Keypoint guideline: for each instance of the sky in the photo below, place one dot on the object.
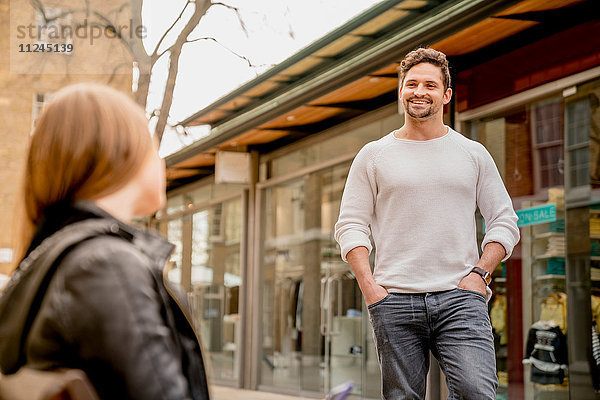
(275, 30)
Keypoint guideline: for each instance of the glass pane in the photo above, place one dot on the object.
(342, 300)
(174, 236)
(548, 122)
(336, 146)
(492, 134)
(578, 121)
(583, 236)
(312, 307)
(216, 280)
(508, 139)
(530, 287)
(283, 286)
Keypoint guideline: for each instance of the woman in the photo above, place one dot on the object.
(89, 292)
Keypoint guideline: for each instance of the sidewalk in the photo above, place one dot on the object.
(227, 393)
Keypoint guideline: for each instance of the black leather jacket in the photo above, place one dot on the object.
(92, 296)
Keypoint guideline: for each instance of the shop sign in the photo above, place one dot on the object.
(537, 215)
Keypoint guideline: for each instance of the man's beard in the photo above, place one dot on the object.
(424, 113)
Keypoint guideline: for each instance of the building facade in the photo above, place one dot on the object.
(277, 308)
(29, 76)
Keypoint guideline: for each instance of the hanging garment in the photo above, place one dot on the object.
(596, 355)
(554, 308)
(498, 318)
(546, 351)
(595, 307)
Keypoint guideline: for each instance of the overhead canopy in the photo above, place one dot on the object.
(353, 70)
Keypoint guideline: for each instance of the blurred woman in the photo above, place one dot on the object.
(90, 292)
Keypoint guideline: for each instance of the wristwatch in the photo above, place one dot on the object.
(487, 278)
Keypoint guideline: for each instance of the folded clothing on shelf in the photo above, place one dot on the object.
(595, 248)
(556, 266)
(556, 247)
(558, 225)
(594, 226)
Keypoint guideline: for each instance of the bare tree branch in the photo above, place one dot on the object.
(162, 53)
(141, 57)
(144, 61)
(115, 70)
(250, 64)
(201, 6)
(154, 53)
(237, 13)
(39, 6)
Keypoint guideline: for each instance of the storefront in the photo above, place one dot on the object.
(545, 144)
(314, 327)
(277, 308)
(205, 223)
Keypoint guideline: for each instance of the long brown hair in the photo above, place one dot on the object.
(88, 142)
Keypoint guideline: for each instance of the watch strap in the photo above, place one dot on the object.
(486, 276)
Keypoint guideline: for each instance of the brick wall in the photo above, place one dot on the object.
(17, 93)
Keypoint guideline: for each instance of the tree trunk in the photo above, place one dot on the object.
(175, 53)
(141, 95)
(140, 55)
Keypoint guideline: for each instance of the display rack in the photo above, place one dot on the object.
(544, 250)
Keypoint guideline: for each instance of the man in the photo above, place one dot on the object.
(416, 190)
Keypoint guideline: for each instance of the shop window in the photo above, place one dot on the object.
(548, 136)
(174, 235)
(323, 151)
(215, 283)
(507, 138)
(578, 126)
(492, 135)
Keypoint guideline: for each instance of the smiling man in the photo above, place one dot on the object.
(416, 191)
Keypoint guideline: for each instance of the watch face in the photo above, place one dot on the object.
(488, 278)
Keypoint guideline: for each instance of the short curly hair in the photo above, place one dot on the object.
(425, 55)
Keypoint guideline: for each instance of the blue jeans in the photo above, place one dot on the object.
(454, 325)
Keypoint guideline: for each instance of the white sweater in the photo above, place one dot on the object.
(419, 200)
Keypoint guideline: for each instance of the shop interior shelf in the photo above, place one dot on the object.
(546, 235)
(548, 256)
(549, 276)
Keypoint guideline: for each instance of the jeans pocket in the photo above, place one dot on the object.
(472, 292)
(378, 302)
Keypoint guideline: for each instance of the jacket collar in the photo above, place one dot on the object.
(150, 243)
(61, 215)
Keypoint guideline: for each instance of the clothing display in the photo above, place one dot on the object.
(440, 243)
(595, 224)
(558, 226)
(596, 356)
(554, 310)
(556, 246)
(546, 351)
(498, 318)
(556, 266)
